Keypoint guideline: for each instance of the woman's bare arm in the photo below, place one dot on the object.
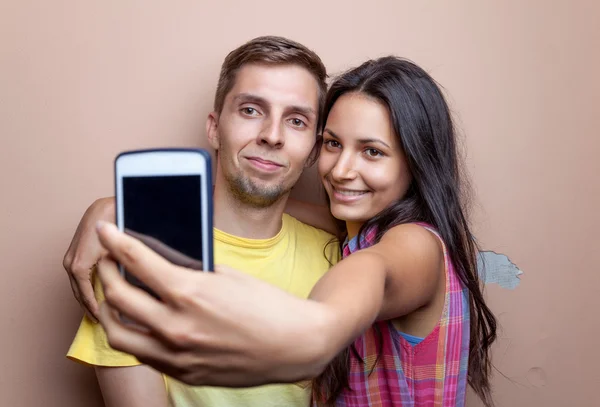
(391, 279)
(132, 386)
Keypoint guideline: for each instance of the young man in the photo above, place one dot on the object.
(264, 127)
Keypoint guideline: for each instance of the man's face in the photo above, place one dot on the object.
(266, 131)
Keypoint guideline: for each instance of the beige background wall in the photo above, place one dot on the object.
(81, 81)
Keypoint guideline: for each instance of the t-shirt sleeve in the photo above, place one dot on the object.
(90, 345)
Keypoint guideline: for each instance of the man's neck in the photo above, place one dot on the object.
(239, 219)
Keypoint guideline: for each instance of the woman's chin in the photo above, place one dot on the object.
(347, 215)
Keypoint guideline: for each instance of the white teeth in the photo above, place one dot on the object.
(349, 193)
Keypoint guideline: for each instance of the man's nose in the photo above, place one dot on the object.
(272, 134)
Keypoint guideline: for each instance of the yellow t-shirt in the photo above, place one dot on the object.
(293, 260)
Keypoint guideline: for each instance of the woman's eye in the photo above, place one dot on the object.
(332, 143)
(373, 152)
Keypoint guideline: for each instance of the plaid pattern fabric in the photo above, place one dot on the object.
(431, 373)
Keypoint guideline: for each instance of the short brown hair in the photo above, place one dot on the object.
(270, 50)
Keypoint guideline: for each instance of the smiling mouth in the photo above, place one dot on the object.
(348, 192)
(263, 161)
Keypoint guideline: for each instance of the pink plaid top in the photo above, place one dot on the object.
(431, 373)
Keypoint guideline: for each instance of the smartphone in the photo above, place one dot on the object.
(164, 198)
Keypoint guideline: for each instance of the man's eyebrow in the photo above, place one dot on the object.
(259, 100)
(303, 110)
(250, 98)
(362, 140)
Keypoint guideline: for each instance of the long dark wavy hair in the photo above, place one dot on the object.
(438, 195)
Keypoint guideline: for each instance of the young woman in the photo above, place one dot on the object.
(390, 166)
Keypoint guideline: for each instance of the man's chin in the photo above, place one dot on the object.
(260, 196)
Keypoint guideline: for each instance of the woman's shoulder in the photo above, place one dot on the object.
(414, 234)
(418, 241)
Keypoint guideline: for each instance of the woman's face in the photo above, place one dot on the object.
(362, 165)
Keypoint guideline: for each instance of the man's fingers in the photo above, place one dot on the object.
(74, 288)
(67, 260)
(120, 336)
(87, 298)
(139, 260)
(146, 348)
(131, 301)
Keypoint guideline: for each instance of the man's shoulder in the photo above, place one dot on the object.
(310, 239)
(304, 230)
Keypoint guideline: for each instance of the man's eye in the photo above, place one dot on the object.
(297, 123)
(250, 111)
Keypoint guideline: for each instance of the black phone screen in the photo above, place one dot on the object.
(165, 210)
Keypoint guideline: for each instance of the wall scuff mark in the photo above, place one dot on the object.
(497, 268)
